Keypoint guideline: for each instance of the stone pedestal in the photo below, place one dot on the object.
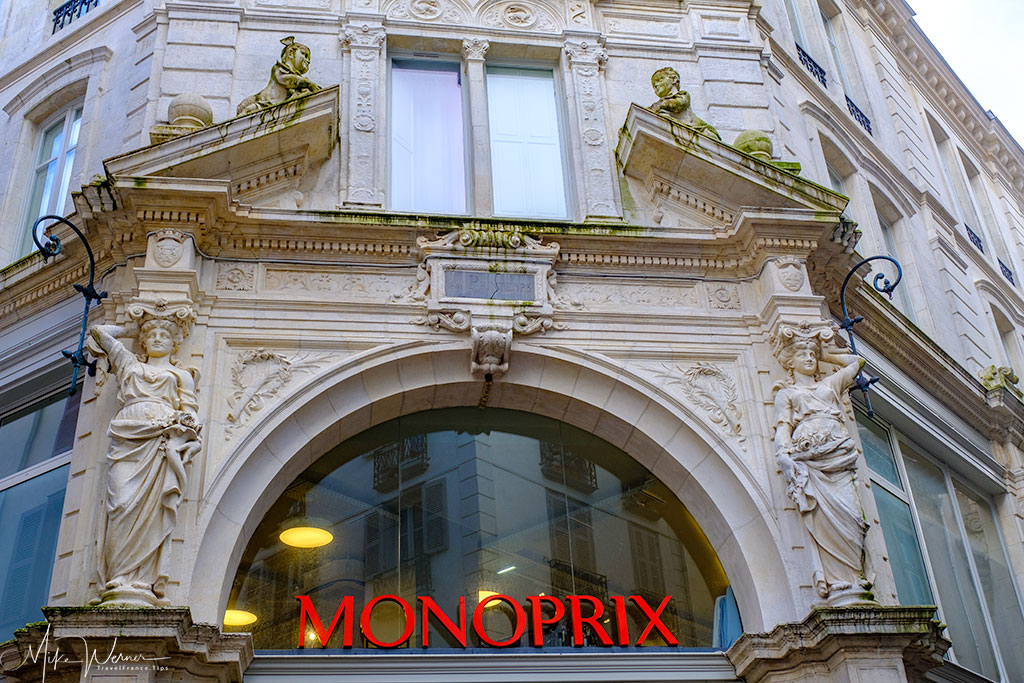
(844, 645)
(120, 645)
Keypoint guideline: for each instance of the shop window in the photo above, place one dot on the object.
(428, 161)
(945, 549)
(486, 521)
(54, 160)
(33, 477)
(527, 168)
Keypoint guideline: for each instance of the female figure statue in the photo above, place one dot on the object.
(818, 456)
(153, 437)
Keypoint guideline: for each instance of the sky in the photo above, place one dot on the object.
(980, 40)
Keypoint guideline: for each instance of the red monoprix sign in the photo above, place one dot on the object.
(536, 620)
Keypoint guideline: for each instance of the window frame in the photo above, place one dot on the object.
(562, 122)
(896, 437)
(25, 244)
(51, 463)
(467, 124)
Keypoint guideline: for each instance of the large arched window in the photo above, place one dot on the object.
(466, 504)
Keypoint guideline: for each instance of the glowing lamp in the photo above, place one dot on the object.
(238, 617)
(306, 537)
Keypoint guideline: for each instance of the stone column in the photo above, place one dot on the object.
(473, 52)
(597, 182)
(363, 35)
(154, 645)
(846, 645)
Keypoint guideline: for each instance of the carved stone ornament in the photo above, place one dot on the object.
(675, 103)
(153, 438)
(994, 378)
(257, 376)
(491, 348)
(502, 278)
(708, 387)
(475, 49)
(520, 15)
(817, 454)
(791, 272)
(236, 276)
(287, 79)
(443, 11)
(169, 247)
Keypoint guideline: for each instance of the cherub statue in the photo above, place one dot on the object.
(286, 79)
(818, 456)
(675, 103)
(152, 438)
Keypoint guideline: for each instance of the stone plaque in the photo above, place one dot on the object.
(485, 284)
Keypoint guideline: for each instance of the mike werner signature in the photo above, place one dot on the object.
(93, 657)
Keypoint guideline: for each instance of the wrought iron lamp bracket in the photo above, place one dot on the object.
(50, 249)
(881, 284)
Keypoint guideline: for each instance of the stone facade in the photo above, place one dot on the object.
(650, 315)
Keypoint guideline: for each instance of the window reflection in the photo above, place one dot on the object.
(471, 503)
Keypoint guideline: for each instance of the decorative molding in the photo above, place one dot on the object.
(587, 296)
(437, 11)
(723, 297)
(519, 15)
(257, 376)
(453, 321)
(239, 277)
(342, 285)
(709, 387)
(475, 49)
(364, 38)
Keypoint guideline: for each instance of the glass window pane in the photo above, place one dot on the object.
(65, 178)
(526, 153)
(428, 168)
(30, 517)
(76, 125)
(904, 552)
(877, 449)
(52, 141)
(961, 606)
(465, 503)
(38, 432)
(996, 580)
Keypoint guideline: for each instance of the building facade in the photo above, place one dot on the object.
(499, 340)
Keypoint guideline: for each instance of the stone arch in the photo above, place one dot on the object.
(405, 378)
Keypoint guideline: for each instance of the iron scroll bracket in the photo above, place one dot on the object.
(50, 249)
(883, 285)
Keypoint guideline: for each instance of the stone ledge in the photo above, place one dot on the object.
(153, 644)
(908, 640)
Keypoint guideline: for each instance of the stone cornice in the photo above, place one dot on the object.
(988, 138)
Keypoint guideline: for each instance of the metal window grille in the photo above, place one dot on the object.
(975, 240)
(71, 10)
(858, 115)
(812, 66)
(1007, 273)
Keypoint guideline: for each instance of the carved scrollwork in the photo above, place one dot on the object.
(453, 321)
(711, 389)
(257, 376)
(485, 238)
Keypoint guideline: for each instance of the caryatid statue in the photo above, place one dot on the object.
(675, 103)
(287, 79)
(153, 437)
(816, 451)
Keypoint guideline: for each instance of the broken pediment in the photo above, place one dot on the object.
(271, 157)
(697, 185)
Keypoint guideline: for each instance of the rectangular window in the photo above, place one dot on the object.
(962, 566)
(526, 150)
(30, 517)
(648, 568)
(833, 46)
(428, 160)
(54, 160)
(794, 21)
(37, 433)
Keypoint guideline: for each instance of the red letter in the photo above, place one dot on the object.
(538, 618)
(478, 621)
(345, 608)
(410, 620)
(430, 607)
(576, 614)
(655, 619)
(621, 627)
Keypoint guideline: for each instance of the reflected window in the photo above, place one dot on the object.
(481, 502)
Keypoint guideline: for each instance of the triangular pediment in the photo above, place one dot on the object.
(261, 154)
(706, 184)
